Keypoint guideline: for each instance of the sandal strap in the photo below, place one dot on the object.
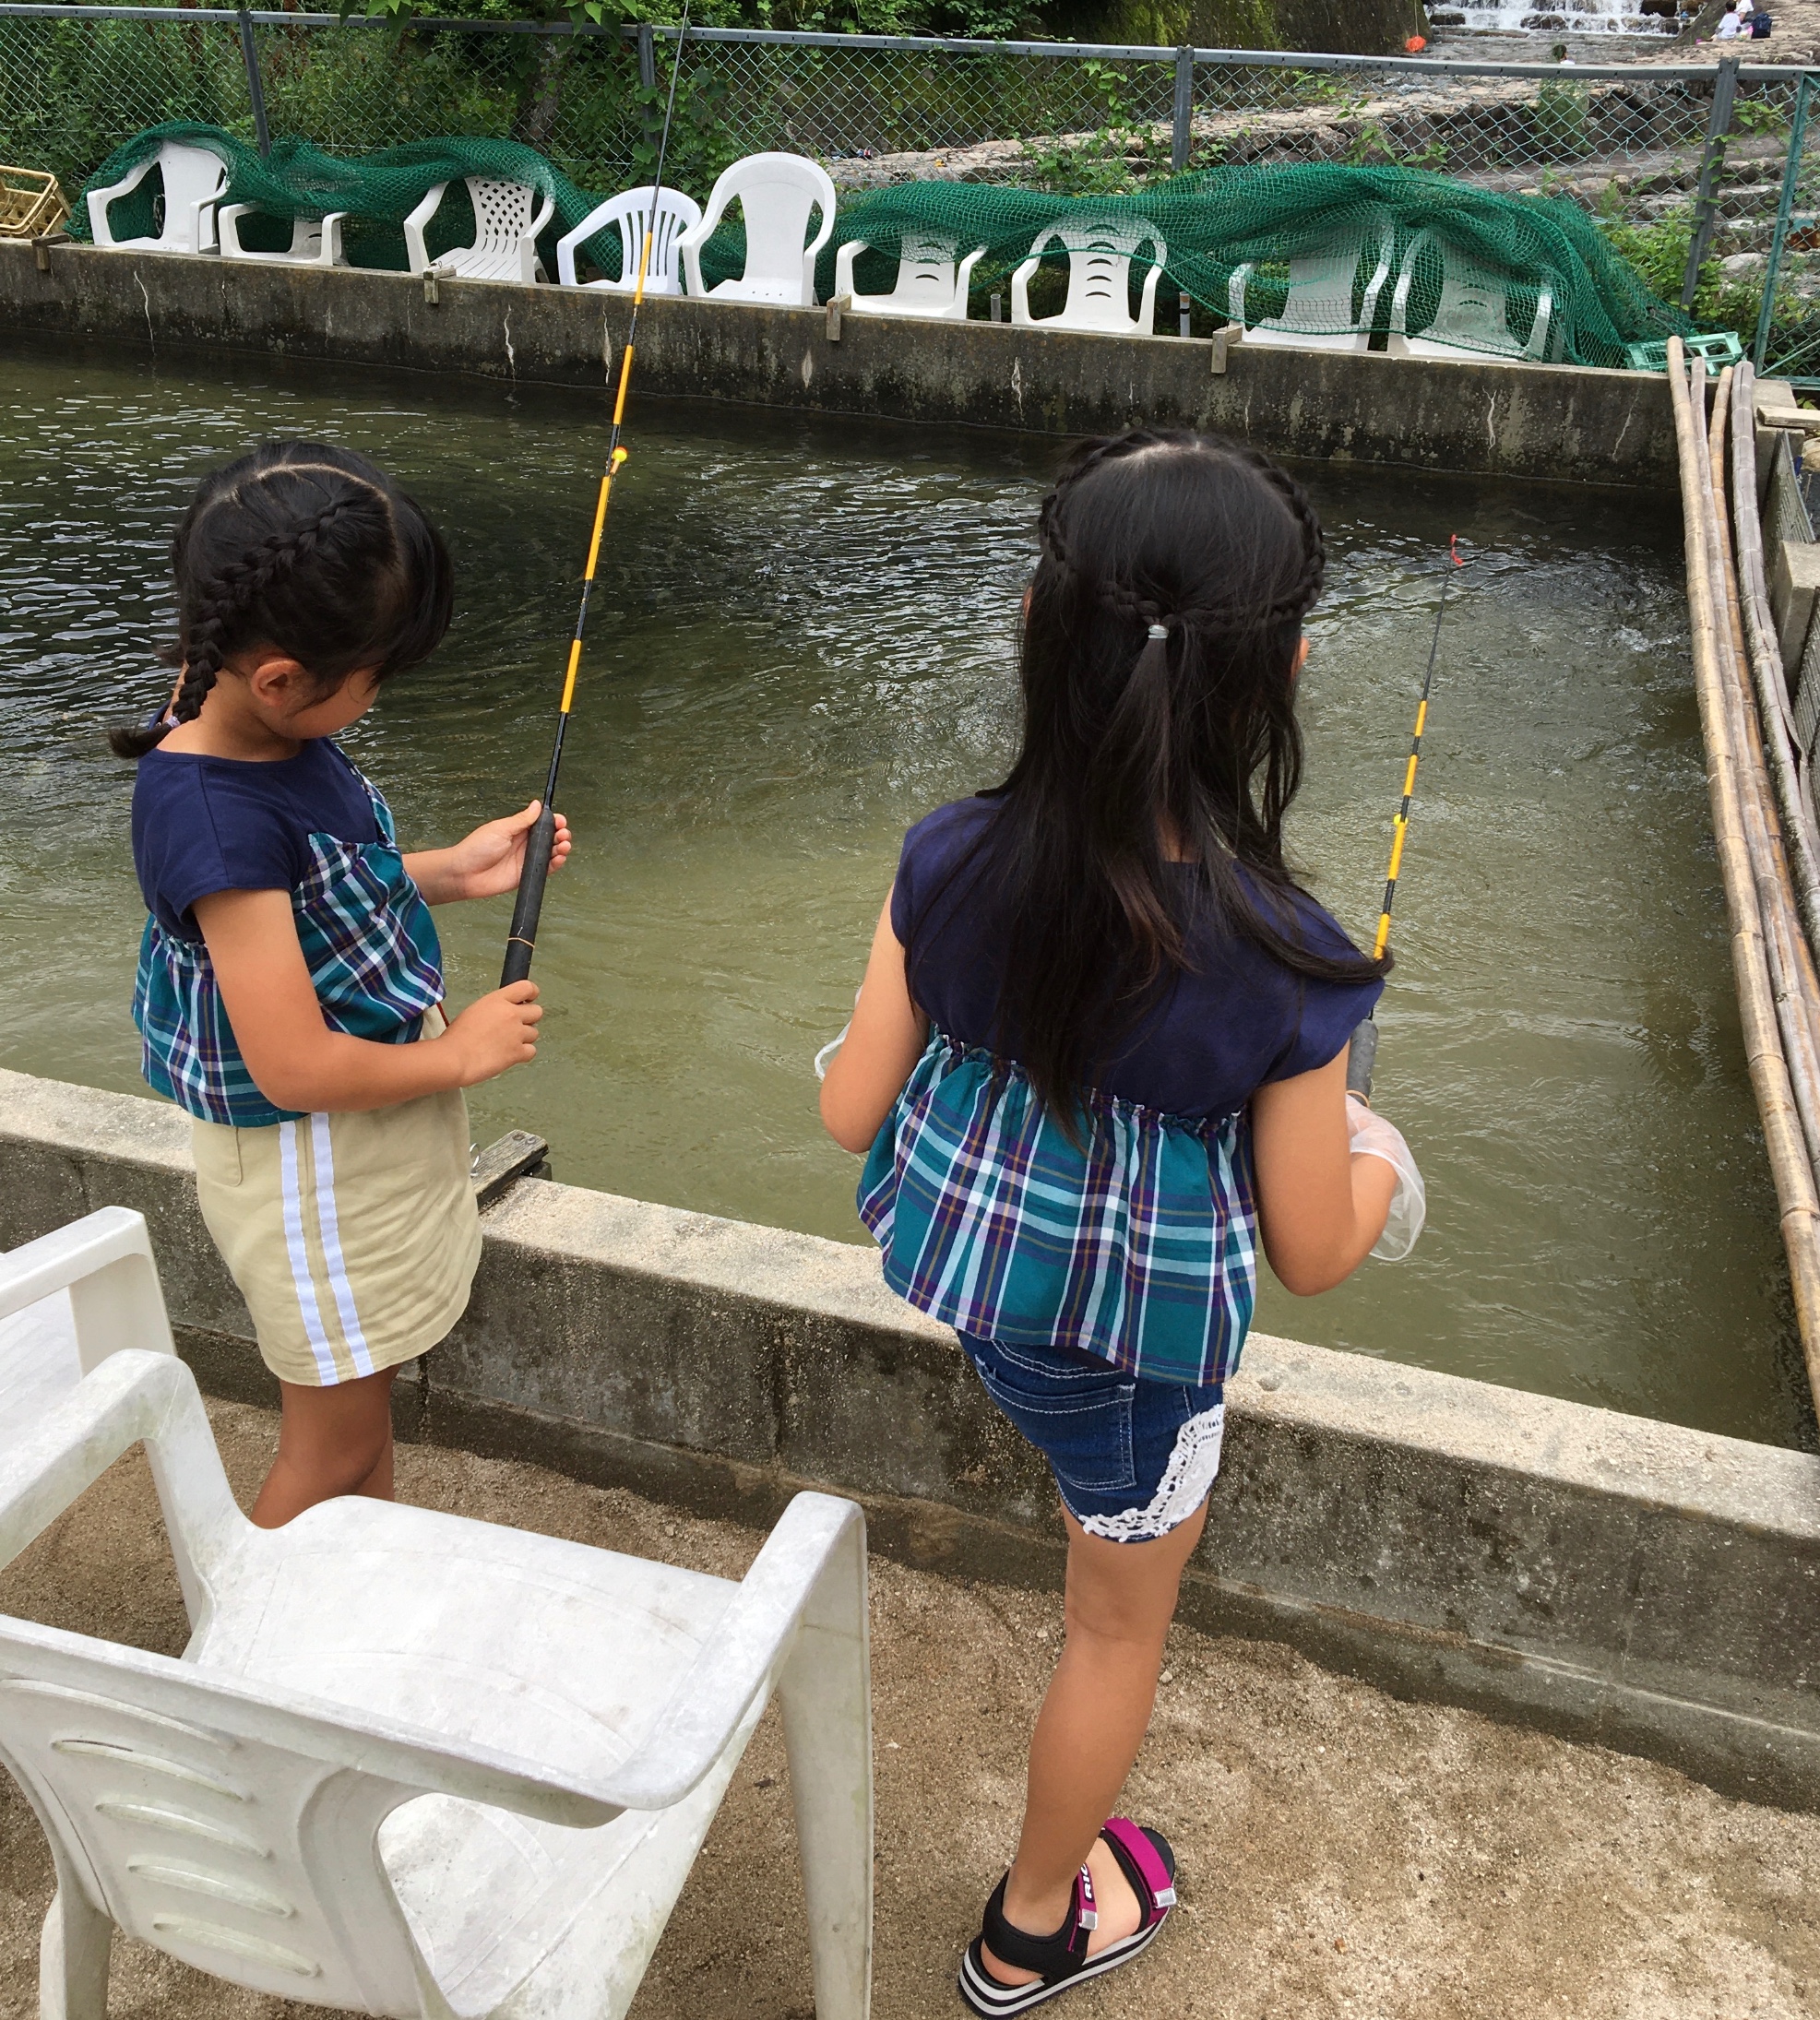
(1147, 1861)
(1057, 1957)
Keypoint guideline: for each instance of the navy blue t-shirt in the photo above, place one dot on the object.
(202, 825)
(1232, 1022)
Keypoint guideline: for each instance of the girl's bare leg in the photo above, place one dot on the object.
(333, 1441)
(1121, 1599)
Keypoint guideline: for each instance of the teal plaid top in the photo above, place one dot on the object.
(374, 958)
(1141, 1250)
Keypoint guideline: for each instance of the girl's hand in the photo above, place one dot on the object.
(497, 1032)
(487, 862)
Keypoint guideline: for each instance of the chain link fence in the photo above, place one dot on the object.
(1682, 166)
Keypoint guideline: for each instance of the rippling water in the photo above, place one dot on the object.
(802, 641)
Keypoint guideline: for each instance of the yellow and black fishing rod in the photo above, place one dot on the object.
(1362, 1055)
(521, 941)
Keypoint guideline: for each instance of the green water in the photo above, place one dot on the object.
(802, 641)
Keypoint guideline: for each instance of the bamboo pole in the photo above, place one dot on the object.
(1764, 658)
(1797, 1200)
(1791, 962)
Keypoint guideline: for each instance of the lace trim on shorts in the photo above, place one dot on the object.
(1187, 1482)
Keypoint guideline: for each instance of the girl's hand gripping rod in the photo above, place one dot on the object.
(522, 939)
(1361, 1053)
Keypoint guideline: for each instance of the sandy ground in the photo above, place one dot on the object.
(1342, 1854)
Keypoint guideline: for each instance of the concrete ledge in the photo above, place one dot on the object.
(1555, 421)
(1618, 1580)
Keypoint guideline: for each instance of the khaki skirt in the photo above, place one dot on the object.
(354, 1238)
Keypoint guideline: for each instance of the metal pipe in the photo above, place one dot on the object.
(1784, 210)
(1712, 166)
(1182, 133)
(255, 91)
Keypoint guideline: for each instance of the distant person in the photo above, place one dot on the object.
(1100, 1051)
(1728, 29)
(290, 989)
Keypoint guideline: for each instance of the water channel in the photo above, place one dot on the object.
(803, 641)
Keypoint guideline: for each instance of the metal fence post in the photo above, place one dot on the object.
(1182, 136)
(256, 90)
(1712, 166)
(647, 76)
(1784, 210)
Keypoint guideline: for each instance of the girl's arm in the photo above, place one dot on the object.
(1319, 1208)
(486, 863)
(298, 1063)
(885, 1041)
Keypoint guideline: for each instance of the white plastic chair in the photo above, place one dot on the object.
(1471, 314)
(194, 180)
(929, 283)
(632, 213)
(411, 1764)
(1100, 256)
(1318, 312)
(776, 193)
(315, 242)
(505, 233)
(48, 1340)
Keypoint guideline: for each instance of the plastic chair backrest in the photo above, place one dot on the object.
(632, 213)
(778, 193)
(192, 175)
(1100, 256)
(925, 269)
(1324, 280)
(502, 213)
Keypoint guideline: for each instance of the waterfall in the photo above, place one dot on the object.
(1576, 17)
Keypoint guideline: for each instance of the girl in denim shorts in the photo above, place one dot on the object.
(1100, 1049)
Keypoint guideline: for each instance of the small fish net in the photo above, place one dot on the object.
(1254, 223)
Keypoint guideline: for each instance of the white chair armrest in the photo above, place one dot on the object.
(1147, 305)
(963, 273)
(1236, 286)
(134, 1397)
(1537, 345)
(104, 1260)
(202, 224)
(416, 252)
(1373, 287)
(1020, 289)
(688, 249)
(785, 1589)
(536, 228)
(227, 229)
(566, 246)
(812, 252)
(99, 199)
(843, 265)
(331, 237)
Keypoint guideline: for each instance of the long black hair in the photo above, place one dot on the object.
(1157, 670)
(308, 549)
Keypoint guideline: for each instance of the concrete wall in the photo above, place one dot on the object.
(1628, 1581)
(1553, 422)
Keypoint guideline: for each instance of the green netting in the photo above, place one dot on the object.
(1477, 270)
(1449, 237)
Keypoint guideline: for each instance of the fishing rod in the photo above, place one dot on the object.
(1361, 1054)
(521, 941)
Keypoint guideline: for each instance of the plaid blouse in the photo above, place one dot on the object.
(374, 958)
(1142, 1250)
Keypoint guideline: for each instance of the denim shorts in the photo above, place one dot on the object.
(1132, 1459)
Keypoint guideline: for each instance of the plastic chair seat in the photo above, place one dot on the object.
(505, 233)
(778, 194)
(631, 214)
(1318, 312)
(315, 242)
(194, 180)
(1100, 256)
(929, 283)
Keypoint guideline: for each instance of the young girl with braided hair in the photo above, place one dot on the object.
(289, 987)
(1100, 1049)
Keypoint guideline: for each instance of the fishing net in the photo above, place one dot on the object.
(1476, 270)
(1319, 248)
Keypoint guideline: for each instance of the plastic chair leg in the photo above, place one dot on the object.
(73, 1957)
(824, 1692)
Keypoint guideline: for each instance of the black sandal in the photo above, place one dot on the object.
(1061, 1961)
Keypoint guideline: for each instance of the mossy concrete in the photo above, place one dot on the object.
(1608, 1577)
(1557, 422)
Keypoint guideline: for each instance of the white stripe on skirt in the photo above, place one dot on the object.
(303, 1283)
(332, 1248)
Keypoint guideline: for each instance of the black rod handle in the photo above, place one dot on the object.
(1360, 1057)
(539, 845)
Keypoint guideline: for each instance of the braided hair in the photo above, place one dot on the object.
(311, 551)
(1158, 672)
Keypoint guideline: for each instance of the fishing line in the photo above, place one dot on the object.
(521, 940)
(1362, 1055)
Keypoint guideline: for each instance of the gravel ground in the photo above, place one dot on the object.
(1342, 1853)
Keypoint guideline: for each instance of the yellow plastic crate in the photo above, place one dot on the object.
(32, 203)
